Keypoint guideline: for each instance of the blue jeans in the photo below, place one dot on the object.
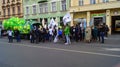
(32, 39)
(50, 38)
(68, 39)
(0, 34)
(102, 37)
(18, 38)
(10, 39)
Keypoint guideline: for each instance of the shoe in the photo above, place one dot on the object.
(105, 38)
(66, 43)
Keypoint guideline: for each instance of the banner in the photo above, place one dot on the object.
(91, 22)
(85, 23)
(52, 23)
(67, 18)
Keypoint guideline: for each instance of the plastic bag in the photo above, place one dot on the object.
(56, 39)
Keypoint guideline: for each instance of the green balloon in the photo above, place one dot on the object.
(17, 23)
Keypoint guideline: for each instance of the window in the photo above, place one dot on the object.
(4, 12)
(8, 11)
(63, 2)
(34, 9)
(19, 9)
(27, 10)
(46, 7)
(3, 1)
(81, 2)
(104, 1)
(13, 10)
(41, 8)
(53, 6)
(92, 1)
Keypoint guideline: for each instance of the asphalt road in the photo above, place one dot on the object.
(48, 54)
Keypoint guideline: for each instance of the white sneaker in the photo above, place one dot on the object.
(66, 43)
(105, 38)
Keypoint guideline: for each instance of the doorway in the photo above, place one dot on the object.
(115, 24)
(98, 20)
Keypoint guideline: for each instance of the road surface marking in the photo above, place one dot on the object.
(66, 50)
(112, 49)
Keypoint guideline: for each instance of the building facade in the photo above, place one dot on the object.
(0, 14)
(10, 8)
(96, 12)
(39, 10)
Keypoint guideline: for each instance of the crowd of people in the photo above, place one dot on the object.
(14, 34)
(64, 33)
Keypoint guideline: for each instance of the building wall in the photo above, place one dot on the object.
(87, 2)
(0, 10)
(47, 15)
(99, 9)
(17, 11)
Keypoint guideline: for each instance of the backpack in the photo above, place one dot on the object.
(60, 32)
(107, 29)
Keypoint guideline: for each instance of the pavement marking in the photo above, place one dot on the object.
(114, 38)
(112, 49)
(66, 50)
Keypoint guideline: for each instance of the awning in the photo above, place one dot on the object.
(41, 1)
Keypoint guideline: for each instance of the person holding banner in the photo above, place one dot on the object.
(67, 34)
(66, 20)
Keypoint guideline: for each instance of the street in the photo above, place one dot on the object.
(48, 54)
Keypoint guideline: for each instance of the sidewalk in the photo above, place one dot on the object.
(111, 40)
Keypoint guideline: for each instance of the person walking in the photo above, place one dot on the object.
(60, 32)
(44, 33)
(50, 34)
(37, 32)
(102, 33)
(67, 34)
(98, 35)
(94, 33)
(17, 35)
(32, 36)
(10, 35)
(106, 30)
(76, 33)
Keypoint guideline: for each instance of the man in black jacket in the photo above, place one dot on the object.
(102, 33)
(17, 35)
